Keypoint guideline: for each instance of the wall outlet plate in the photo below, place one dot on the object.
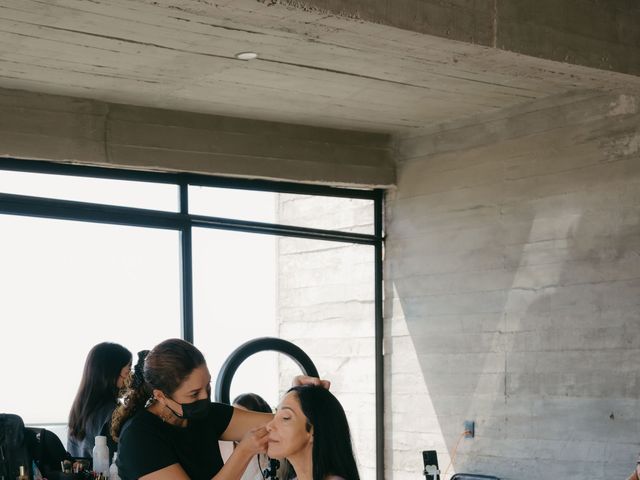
(469, 429)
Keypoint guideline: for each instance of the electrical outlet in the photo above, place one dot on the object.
(469, 429)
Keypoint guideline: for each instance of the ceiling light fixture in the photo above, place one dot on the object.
(246, 55)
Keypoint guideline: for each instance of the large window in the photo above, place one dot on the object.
(68, 285)
(90, 255)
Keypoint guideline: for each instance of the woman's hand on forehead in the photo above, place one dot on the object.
(299, 380)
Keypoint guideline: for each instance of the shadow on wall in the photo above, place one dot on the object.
(513, 283)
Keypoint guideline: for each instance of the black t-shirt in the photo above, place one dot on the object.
(148, 444)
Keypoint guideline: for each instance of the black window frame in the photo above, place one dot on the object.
(183, 222)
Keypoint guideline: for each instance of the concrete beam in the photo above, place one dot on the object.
(603, 35)
(75, 130)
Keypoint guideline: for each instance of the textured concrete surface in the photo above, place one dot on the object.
(596, 34)
(512, 287)
(50, 127)
(314, 68)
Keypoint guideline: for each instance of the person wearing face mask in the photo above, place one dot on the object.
(311, 431)
(106, 368)
(168, 428)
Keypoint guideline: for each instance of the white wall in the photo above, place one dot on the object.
(512, 288)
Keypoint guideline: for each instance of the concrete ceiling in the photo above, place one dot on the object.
(315, 67)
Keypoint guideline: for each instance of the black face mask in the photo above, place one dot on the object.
(195, 410)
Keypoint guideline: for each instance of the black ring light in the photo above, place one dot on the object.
(262, 344)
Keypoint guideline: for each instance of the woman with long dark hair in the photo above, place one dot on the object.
(168, 428)
(311, 430)
(106, 368)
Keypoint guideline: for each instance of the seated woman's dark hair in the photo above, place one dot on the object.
(253, 402)
(163, 368)
(98, 385)
(332, 451)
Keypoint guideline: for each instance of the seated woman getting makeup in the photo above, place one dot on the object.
(311, 431)
(257, 466)
(168, 428)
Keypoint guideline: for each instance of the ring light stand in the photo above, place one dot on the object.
(244, 351)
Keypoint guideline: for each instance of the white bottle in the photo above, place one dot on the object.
(113, 469)
(101, 456)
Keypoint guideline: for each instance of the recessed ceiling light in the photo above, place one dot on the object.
(246, 55)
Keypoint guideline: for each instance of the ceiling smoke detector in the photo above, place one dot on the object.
(246, 55)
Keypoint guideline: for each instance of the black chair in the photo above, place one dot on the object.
(14, 447)
(47, 450)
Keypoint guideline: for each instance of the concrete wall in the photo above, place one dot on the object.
(512, 292)
(77, 130)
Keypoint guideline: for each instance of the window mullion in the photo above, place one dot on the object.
(186, 259)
